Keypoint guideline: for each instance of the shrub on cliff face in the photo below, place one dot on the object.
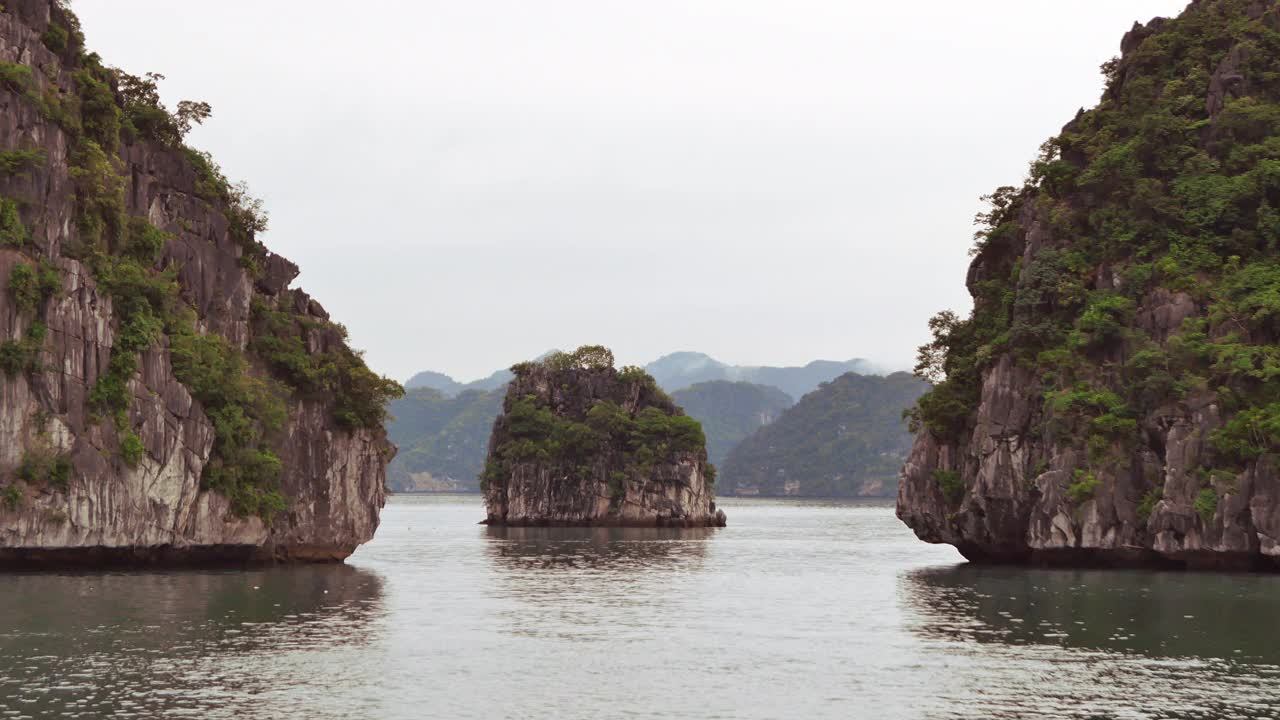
(281, 338)
(1148, 504)
(245, 411)
(12, 232)
(132, 449)
(15, 77)
(17, 162)
(144, 241)
(1155, 188)
(42, 466)
(949, 362)
(1206, 504)
(29, 286)
(22, 287)
(951, 484)
(19, 356)
(146, 116)
(11, 497)
(99, 195)
(56, 38)
(99, 113)
(14, 358)
(246, 214)
(1085, 485)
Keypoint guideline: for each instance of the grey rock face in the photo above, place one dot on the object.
(1010, 476)
(156, 511)
(1015, 506)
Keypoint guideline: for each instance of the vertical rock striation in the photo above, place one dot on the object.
(155, 475)
(1113, 399)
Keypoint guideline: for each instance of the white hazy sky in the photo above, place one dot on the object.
(469, 183)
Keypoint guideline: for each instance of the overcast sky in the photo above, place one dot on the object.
(468, 183)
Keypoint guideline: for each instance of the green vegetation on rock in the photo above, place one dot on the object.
(1207, 504)
(584, 435)
(11, 497)
(247, 396)
(951, 483)
(17, 162)
(15, 77)
(56, 37)
(13, 233)
(1085, 485)
(1148, 504)
(29, 286)
(1158, 203)
(282, 339)
(19, 356)
(42, 466)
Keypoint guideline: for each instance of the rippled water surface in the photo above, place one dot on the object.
(797, 610)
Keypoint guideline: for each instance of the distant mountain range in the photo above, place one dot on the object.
(442, 438)
(731, 411)
(682, 369)
(845, 439)
(442, 426)
(447, 385)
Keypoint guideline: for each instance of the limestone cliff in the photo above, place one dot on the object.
(165, 397)
(580, 443)
(1114, 396)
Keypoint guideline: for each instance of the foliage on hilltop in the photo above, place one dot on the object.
(846, 438)
(576, 413)
(1170, 186)
(246, 394)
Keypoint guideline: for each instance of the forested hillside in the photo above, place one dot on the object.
(847, 438)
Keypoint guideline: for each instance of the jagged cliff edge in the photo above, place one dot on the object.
(1165, 479)
(76, 487)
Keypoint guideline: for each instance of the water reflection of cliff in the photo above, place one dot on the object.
(159, 643)
(558, 581)
(1157, 614)
(607, 548)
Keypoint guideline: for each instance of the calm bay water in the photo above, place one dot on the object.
(797, 610)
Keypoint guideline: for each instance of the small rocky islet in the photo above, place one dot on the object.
(580, 443)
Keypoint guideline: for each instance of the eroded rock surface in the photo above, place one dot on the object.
(1108, 442)
(157, 509)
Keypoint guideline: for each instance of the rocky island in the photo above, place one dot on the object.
(1114, 398)
(580, 443)
(165, 397)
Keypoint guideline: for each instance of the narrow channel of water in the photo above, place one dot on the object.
(797, 610)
